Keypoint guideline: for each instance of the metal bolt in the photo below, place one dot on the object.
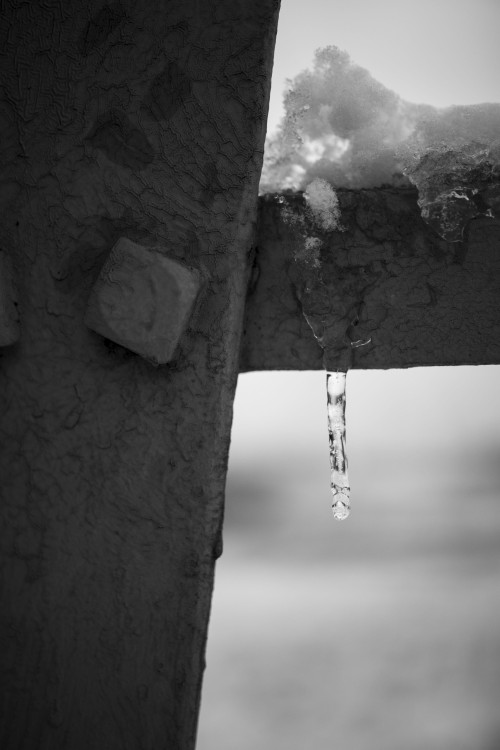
(142, 300)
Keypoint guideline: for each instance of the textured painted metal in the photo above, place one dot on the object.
(387, 277)
(9, 318)
(135, 118)
(142, 300)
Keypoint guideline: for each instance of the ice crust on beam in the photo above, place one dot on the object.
(344, 127)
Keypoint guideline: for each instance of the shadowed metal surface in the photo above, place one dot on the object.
(387, 276)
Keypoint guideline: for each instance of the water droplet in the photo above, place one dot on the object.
(341, 509)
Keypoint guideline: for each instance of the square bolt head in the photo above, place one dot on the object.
(142, 300)
(9, 318)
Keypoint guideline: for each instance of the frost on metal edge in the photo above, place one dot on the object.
(322, 214)
(323, 204)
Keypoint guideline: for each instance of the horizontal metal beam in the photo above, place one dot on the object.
(384, 277)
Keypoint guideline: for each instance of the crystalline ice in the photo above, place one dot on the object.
(335, 388)
(456, 182)
(343, 127)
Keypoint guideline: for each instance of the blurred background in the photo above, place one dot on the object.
(381, 632)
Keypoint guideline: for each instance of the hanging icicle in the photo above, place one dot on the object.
(332, 303)
(335, 388)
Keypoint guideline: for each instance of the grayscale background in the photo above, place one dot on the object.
(381, 632)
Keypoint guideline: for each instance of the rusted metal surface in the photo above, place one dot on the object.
(387, 277)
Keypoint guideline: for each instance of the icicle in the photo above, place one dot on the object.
(335, 388)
